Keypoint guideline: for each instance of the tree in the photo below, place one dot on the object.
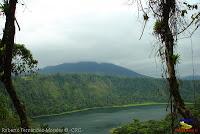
(9, 54)
(168, 25)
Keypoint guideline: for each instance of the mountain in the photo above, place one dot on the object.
(92, 68)
(191, 77)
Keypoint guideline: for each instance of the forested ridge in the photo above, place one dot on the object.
(91, 67)
(50, 94)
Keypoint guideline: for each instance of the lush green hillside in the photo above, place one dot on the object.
(90, 67)
(48, 94)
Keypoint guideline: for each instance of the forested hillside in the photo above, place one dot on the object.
(48, 94)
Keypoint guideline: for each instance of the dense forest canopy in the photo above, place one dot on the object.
(66, 92)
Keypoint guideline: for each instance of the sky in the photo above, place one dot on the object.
(95, 30)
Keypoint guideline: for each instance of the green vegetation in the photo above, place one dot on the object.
(8, 119)
(148, 127)
(55, 94)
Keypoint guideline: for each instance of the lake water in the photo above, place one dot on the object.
(100, 121)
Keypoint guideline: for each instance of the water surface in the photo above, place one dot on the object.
(100, 121)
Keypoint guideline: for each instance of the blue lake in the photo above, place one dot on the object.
(100, 121)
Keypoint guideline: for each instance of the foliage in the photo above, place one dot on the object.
(7, 118)
(147, 127)
(61, 93)
(158, 27)
(176, 58)
(51, 94)
(22, 62)
(196, 108)
(3, 7)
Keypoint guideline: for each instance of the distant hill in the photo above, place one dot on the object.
(92, 68)
(190, 77)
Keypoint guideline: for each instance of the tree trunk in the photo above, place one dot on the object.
(16, 102)
(168, 40)
(8, 42)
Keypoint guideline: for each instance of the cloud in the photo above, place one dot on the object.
(93, 30)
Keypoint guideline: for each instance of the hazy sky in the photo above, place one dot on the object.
(95, 30)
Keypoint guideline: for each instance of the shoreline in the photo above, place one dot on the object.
(93, 108)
